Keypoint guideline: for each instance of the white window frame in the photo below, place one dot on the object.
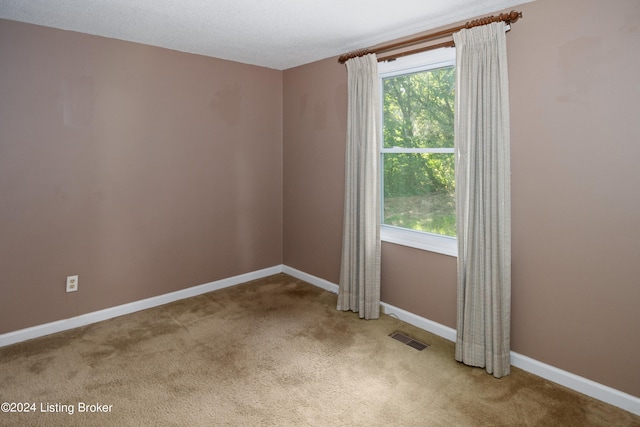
(404, 236)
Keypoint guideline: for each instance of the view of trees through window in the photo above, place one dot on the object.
(417, 153)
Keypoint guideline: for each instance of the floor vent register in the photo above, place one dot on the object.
(408, 341)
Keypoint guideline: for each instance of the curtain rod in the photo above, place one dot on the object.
(508, 18)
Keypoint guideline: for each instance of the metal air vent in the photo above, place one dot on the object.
(408, 341)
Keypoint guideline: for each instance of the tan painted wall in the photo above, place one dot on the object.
(142, 170)
(575, 109)
(576, 204)
(315, 123)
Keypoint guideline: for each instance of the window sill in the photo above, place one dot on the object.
(416, 239)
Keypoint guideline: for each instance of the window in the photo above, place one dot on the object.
(417, 153)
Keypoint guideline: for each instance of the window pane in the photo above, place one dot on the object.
(419, 192)
(418, 109)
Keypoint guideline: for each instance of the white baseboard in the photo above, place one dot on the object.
(109, 313)
(422, 323)
(567, 379)
(405, 316)
(314, 280)
(580, 384)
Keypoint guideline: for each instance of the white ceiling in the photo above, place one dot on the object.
(277, 34)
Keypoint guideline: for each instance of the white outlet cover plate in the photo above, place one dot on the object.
(72, 283)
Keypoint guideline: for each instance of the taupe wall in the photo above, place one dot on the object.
(315, 123)
(142, 170)
(575, 102)
(575, 109)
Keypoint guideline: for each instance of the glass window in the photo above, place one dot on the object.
(417, 153)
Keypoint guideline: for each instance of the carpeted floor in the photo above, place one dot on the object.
(272, 352)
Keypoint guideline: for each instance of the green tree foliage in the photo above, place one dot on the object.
(418, 113)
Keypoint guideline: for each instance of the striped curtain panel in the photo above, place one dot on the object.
(359, 288)
(483, 199)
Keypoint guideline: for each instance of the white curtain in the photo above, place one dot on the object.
(483, 199)
(359, 288)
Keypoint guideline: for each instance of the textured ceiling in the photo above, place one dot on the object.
(277, 34)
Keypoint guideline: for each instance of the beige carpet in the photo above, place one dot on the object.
(272, 352)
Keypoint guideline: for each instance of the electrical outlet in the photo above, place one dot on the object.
(72, 283)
